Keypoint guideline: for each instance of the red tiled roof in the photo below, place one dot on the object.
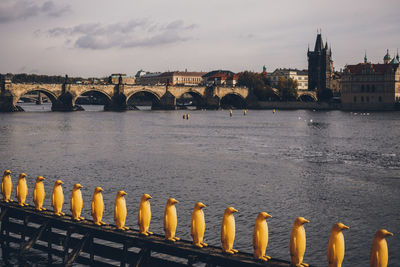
(378, 68)
(183, 73)
(221, 75)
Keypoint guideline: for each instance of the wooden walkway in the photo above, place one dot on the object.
(23, 228)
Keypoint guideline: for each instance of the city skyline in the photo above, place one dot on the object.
(94, 38)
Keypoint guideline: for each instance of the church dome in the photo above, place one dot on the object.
(394, 61)
(387, 56)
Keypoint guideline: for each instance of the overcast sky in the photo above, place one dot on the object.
(99, 37)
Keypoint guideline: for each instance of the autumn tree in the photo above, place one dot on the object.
(256, 83)
(287, 89)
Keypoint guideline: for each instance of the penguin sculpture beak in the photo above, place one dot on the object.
(149, 197)
(202, 205)
(268, 216)
(79, 186)
(175, 201)
(345, 227)
(235, 210)
(306, 221)
(389, 233)
(101, 189)
(7, 172)
(123, 193)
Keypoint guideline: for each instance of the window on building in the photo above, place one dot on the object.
(362, 88)
(362, 99)
(373, 88)
(367, 99)
(380, 99)
(355, 99)
(367, 88)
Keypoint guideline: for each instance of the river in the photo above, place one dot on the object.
(325, 166)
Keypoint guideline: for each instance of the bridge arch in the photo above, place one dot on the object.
(233, 100)
(49, 94)
(98, 91)
(144, 96)
(195, 99)
(307, 97)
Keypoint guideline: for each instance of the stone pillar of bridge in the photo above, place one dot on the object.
(212, 101)
(167, 102)
(118, 100)
(8, 102)
(65, 101)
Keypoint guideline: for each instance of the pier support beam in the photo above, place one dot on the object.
(25, 246)
(69, 260)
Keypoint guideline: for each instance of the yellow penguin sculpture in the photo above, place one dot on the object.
(120, 211)
(298, 242)
(57, 198)
(336, 245)
(260, 236)
(198, 225)
(6, 186)
(228, 231)
(170, 220)
(39, 194)
(97, 208)
(144, 216)
(379, 252)
(76, 203)
(22, 190)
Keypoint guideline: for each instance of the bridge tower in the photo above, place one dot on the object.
(320, 67)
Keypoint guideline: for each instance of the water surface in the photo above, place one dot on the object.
(325, 166)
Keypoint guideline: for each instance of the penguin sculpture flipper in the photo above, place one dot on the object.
(192, 229)
(92, 209)
(139, 217)
(165, 223)
(256, 239)
(53, 204)
(331, 254)
(293, 246)
(378, 263)
(115, 212)
(72, 204)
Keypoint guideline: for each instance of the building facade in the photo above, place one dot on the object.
(171, 78)
(368, 86)
(301, 76)
(320, 66)
(115, 78)
(220, 78)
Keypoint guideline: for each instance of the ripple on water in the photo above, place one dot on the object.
(340, 167)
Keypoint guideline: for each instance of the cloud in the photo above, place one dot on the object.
(14, 10)
(134, 33)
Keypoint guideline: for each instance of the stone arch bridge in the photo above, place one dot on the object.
(64, 96)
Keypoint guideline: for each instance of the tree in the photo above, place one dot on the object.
(256, 83)
(287, 89)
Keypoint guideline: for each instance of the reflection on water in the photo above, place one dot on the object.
(324, 166)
